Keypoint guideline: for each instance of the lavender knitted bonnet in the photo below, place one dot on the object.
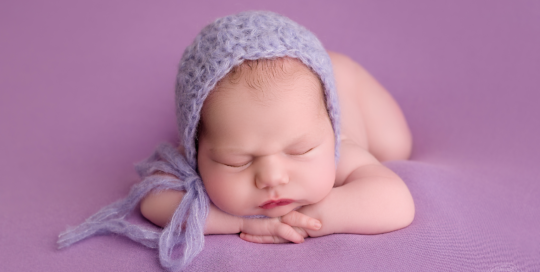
(219, 47)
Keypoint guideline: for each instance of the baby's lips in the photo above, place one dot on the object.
(276, 203)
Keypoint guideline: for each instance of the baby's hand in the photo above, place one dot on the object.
(288, 228)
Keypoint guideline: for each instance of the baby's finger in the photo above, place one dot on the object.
(301, 220)
(301, 231)
(262, 239)
(288, 233)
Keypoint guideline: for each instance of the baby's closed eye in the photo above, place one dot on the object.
(301, 151)
(236, 165)
(298, 152)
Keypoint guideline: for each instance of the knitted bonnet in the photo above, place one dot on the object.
(227, 43)
(219, 47)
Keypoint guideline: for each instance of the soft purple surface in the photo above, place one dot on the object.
(86, 90)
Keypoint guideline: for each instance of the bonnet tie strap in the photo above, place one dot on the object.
(193, 208)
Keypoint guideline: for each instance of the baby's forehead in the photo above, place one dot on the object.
(258, 74)
(264, 82)
(267, 82)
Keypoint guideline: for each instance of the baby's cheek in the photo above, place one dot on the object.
(216, 188)
(323, 178)
(226, 192)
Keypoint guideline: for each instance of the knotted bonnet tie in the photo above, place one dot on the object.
(219, 47)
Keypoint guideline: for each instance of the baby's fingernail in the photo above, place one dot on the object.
(317, 225)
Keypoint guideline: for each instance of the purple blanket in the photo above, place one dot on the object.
(86, 91)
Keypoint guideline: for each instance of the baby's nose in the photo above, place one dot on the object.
(271, 172)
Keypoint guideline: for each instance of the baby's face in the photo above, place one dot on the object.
(266, 144)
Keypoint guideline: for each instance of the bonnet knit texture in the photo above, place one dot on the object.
(219, 47)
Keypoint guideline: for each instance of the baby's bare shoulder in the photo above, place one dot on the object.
(357, 162)
(351, 157)
(369, 114)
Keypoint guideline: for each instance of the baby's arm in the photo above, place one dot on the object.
(159, 207)
(370, 199)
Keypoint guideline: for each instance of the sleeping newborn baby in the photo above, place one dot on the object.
(279, 140)
(266, 147)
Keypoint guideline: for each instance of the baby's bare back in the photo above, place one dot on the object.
(371, 119)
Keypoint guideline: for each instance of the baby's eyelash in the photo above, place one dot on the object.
(304, 152)
(236, 166)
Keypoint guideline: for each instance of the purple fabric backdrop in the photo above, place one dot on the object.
(86, 90)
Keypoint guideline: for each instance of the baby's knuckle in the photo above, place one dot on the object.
(295, 216)
(292, 218)
(301, 231)
(288, 233)
(276, 240)
(270, 227)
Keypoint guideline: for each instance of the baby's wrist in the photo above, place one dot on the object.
(241, 221)
(219, 222)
